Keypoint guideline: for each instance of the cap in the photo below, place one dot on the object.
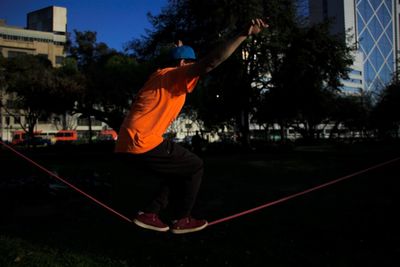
(183, 52)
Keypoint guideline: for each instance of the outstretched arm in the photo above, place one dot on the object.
(221, 53)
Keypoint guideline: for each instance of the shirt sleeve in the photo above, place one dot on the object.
(179, 82)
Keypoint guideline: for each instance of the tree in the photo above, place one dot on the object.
(287, 74)
(353, 112)
(305, 80)
(29, 79)
(115, 79)
(68, 88)
(228, 92)
(110, 79)
(386, 113)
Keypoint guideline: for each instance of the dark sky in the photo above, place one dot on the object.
(115, 21)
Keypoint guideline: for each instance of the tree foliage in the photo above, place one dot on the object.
(386, 114)
(110, 79)
(28, 80)
(287, 74)
(227, 94)
(353, 112)
(306, 79)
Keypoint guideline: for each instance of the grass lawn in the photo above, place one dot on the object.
(350, 223)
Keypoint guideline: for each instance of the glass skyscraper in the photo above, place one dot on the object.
(374, 27)
(375, 30)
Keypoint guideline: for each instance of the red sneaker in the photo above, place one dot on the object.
(150, 221)
(188, 225)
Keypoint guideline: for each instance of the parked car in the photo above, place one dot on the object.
(21, 136)
(108, 135)
(35, 141)
(66, 136)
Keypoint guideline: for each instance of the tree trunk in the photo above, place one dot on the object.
(244, 129)
(90, 129)
(282, 132)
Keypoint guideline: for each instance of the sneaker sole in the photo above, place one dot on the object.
(191, 230)
(150, 227)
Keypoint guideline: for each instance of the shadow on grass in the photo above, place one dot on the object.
(352, 223)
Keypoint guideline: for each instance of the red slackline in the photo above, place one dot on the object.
(215, 221)
(301, 193)
(67, 183)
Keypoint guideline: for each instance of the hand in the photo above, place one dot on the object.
(178, 43)
(256, 26)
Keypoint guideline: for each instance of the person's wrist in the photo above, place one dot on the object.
(245, 33)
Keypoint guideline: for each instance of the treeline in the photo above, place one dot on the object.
(290, 75)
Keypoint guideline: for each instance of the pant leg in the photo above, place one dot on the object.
(181, 172)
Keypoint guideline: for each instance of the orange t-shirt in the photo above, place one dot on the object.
(155, 106)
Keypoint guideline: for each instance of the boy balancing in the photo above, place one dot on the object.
(140, 139)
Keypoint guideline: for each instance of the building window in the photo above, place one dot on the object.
(44, 119)
(7, 120)
(59, 60)
(11, 104)
(355, 81)
(96, 122)
(84, 121)
(357, 72)
(44, 55)
(12, 54)
(29, 39)
(351, 90)
(17, 120)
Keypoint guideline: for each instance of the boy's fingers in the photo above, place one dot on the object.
(259, 23)
(262, 23)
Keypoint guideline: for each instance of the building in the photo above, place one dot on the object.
(45, 34)
(50, 19)
(373, 26)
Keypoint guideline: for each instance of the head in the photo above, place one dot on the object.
(183, 55)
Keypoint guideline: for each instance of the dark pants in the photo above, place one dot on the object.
(180, 172)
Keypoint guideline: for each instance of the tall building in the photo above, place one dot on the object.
(373, 26)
